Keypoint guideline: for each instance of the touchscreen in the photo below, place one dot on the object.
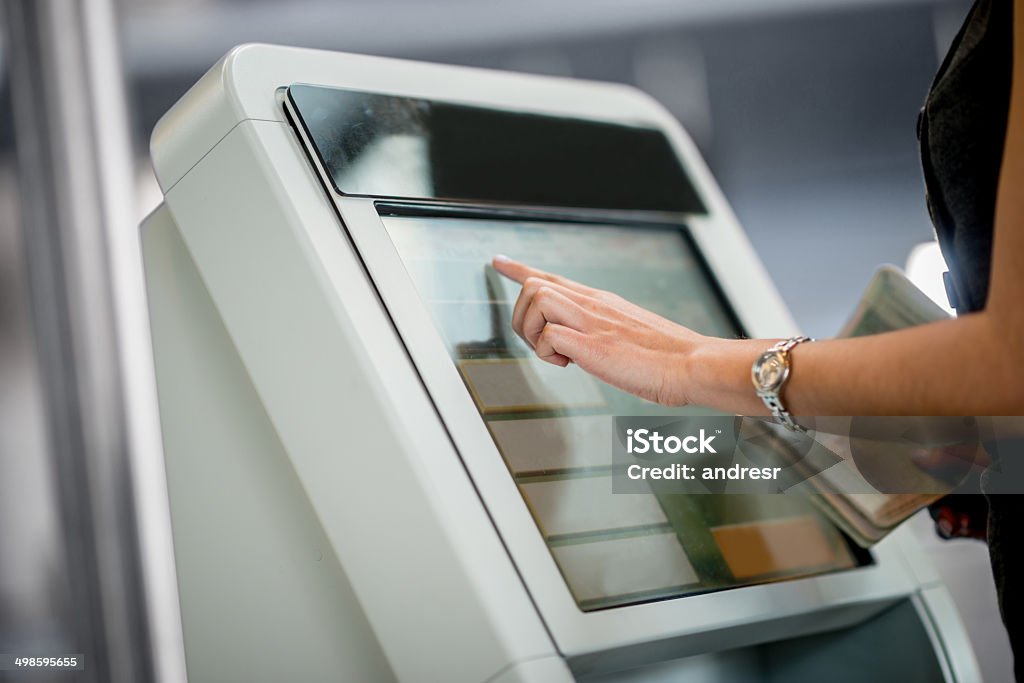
(553, 426)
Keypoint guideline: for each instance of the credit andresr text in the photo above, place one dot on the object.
(643, 441)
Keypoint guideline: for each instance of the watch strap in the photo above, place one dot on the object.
(773, 400)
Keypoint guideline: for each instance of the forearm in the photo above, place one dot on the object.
(968, 366)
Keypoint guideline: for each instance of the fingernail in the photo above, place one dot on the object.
(501, 258)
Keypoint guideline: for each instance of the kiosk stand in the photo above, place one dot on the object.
(372, 478)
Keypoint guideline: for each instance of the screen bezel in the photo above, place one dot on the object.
(846, 596)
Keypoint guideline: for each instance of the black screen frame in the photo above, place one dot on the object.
(486, 154)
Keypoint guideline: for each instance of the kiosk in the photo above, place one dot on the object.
(371, 477)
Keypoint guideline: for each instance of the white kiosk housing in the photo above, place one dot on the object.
(372, 480)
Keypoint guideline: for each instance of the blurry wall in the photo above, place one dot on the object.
(35, 600)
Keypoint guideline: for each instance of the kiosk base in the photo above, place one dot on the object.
(263, 597)
(891, 646)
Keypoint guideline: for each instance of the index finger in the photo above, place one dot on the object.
(520, 272)
(515, 270)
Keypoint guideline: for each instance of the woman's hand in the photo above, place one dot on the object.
(616, 341)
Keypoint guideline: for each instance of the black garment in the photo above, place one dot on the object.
(1004, 544)
(962, 131)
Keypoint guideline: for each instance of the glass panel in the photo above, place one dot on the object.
(552, 425)
(387, 146)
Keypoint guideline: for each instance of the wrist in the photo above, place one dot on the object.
(718, 374)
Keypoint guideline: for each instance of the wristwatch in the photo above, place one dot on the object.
(769, 373)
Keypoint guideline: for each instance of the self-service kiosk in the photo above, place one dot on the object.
(371, 476)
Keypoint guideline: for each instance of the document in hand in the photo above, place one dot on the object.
(890, 302)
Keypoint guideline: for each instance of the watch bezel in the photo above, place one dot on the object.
(764, 358)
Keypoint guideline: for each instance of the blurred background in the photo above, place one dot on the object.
(804, 109)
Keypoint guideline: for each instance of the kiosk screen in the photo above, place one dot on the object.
(552, 425)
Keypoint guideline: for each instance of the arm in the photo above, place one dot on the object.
(973, 365)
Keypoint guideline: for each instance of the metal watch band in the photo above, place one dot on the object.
(773, 401)
(787, 345)
(780, 413)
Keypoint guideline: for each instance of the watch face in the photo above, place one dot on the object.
(770, 371)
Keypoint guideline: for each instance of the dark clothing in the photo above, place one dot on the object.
(962, 131)
(1007, 554)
